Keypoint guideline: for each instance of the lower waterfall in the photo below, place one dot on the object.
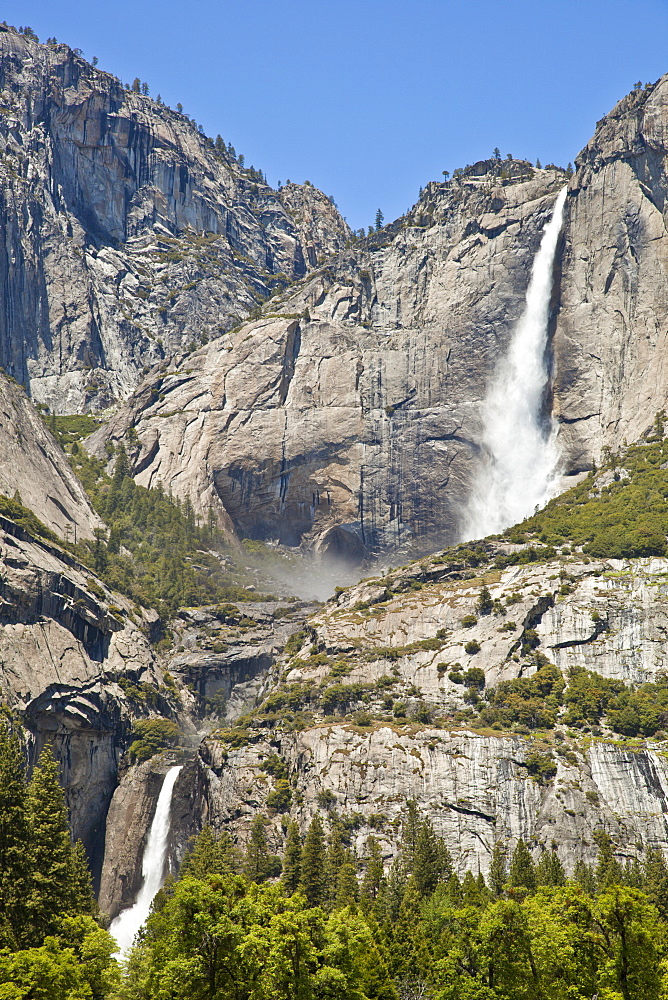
(520, 449)
(128, 922)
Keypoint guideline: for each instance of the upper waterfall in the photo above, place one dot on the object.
(519, 468)
(128, 922)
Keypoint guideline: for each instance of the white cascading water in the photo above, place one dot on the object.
(519, 472)
(128, 922)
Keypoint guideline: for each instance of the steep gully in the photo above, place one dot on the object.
(517, 474)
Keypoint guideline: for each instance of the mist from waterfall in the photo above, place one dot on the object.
(128, 922)
(519, 470)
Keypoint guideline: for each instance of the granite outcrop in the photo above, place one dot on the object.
(127, 234)
(34, 469)
(402, 640)
(346, 418)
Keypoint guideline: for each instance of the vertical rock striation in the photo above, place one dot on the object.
(611, 334)
(347, 418)
(126, 234)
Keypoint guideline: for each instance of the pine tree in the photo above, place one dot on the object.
(655, 873)
(472, 895)
(608, 869)
(549, 870)
(395, 887)
(633, 874)
(497, 870)
(481, 885)
(431, 860)
(210, 855)
(83, 898)
(380, 218)
(584, 877)
(336, 857)
(408, 954)
(49, 852)
(410, 832)
(13, 835)
(485, 603)
(522, 871)
(347, 886)
(313, 875)
(373, 876)
(292, 859)
(257, 860)
(454, 890)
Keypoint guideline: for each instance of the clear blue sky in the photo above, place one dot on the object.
(370, 100)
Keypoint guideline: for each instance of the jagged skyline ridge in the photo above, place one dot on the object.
(428, 111)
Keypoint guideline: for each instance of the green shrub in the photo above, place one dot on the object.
(472, 647)
(530, 701)
(326, 798)
(152, 736)
(540, 766)
(474, 677)
(94, 587)
(485, 602)
(290, 696)
(422, 714)
(280, 798)
(641, 712)
(295, 643)
(275, 766)
(588, 696)
(25, 518)
(340, 696)
(623, 519)
(363, 719)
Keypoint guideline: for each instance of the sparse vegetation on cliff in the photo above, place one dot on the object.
(619, 511)
(154, 549)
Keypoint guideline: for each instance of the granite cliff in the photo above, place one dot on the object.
(127, 234)
(354, 715)
(33, 464)
(346, 417)
(343, 416)
(364, 381)
(610, 334)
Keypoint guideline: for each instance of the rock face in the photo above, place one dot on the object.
(128, 822)
(225, 657)
(475, 785)
(347, 416)
(610, 341)
(343, 417)
(475, 789)
(225, 653)
(127, 235)
(70, 650)
(34, 465)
